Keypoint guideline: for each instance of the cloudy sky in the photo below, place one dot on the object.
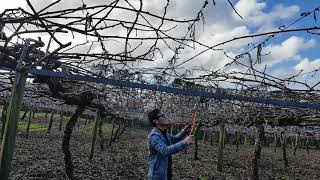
(286, 54)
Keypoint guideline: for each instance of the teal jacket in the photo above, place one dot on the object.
(159, 152)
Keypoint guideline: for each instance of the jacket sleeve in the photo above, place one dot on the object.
(178, 137)
(157, 143)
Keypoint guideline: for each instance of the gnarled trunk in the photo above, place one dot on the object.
(296, 144)
(284, 148)
(66, 142)
(257, 152)
(195, 155)
(3, 118)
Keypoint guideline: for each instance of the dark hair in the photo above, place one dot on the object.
(152, 115)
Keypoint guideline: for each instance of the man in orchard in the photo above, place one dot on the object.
(162, 145)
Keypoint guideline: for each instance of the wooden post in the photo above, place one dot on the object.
(225, 138)
(2, 111)
(111, 136)
(211, 137)
(296, 144)
(275, 142)
(9, 136)
(204, 136)
(61, 121)
(51, 121)
(284, 148)
(79, 121)
(101, 138)
(28, 126)
(245, 139)
(307, 144)
(24, 115)
(94, 133)
(221, 146)
(40, 120)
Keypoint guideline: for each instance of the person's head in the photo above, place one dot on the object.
(158, 119)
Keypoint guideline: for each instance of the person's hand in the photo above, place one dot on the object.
(189, 139)
(187, 128)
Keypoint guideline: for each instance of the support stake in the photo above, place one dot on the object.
(221, 146)
(9, 136)
(94, 134)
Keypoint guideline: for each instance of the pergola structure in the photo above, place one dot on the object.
(92, 75)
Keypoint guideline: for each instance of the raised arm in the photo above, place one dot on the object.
(165, 150)
(178, 137)
(181, 135)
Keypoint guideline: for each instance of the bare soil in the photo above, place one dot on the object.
(41, 157)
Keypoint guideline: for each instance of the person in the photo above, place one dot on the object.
(162, 145)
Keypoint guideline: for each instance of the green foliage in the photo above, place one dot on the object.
(203, 178)
(106, 128)
(34, 127)
(286, 178)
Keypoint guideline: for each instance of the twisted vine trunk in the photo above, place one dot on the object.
(117, 131)
(236, 141)
(3, 118)
(245, 139)
(111, 136)
(306, 144)
(123, 128)
(275, 142)
(257, 152)
(195, 155)
(284, 148)
(296, 144)
(66, 142)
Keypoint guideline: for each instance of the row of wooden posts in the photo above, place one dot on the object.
(10, 124)
(259, 142)
(97, 128)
